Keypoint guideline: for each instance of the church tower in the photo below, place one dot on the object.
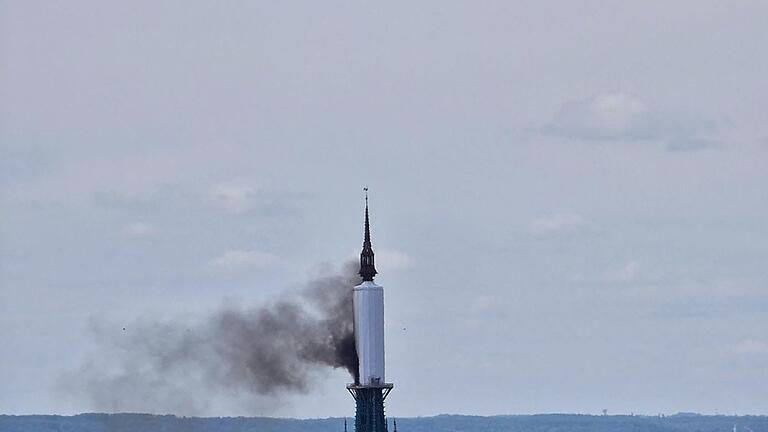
(368, 298)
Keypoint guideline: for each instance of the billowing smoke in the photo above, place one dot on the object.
(250, 354)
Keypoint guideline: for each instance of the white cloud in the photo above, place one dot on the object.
(556, 224)
(232, 198)
(137, 229)
(751, 346)
(625, 117)
(245, 259)
(626, 273)
(393, 260)
(603, 117)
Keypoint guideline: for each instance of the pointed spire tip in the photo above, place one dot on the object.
(367, 267)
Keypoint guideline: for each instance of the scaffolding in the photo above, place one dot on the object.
(369, 406)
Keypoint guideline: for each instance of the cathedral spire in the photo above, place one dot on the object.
(367, 267)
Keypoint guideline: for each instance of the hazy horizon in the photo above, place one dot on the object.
(598, 413)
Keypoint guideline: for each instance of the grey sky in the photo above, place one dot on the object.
(569, 199)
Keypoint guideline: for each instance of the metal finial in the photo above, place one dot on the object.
(367, 267)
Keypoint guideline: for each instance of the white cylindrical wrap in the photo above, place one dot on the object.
(369, 332)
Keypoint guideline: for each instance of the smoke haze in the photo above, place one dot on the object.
(253, 355)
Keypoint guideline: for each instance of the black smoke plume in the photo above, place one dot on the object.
(252, 354)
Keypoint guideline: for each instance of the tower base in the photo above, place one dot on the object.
(369, 407)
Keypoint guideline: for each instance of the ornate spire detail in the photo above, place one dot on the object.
(367, 267)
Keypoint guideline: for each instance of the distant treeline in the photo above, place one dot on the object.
(446, 423)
